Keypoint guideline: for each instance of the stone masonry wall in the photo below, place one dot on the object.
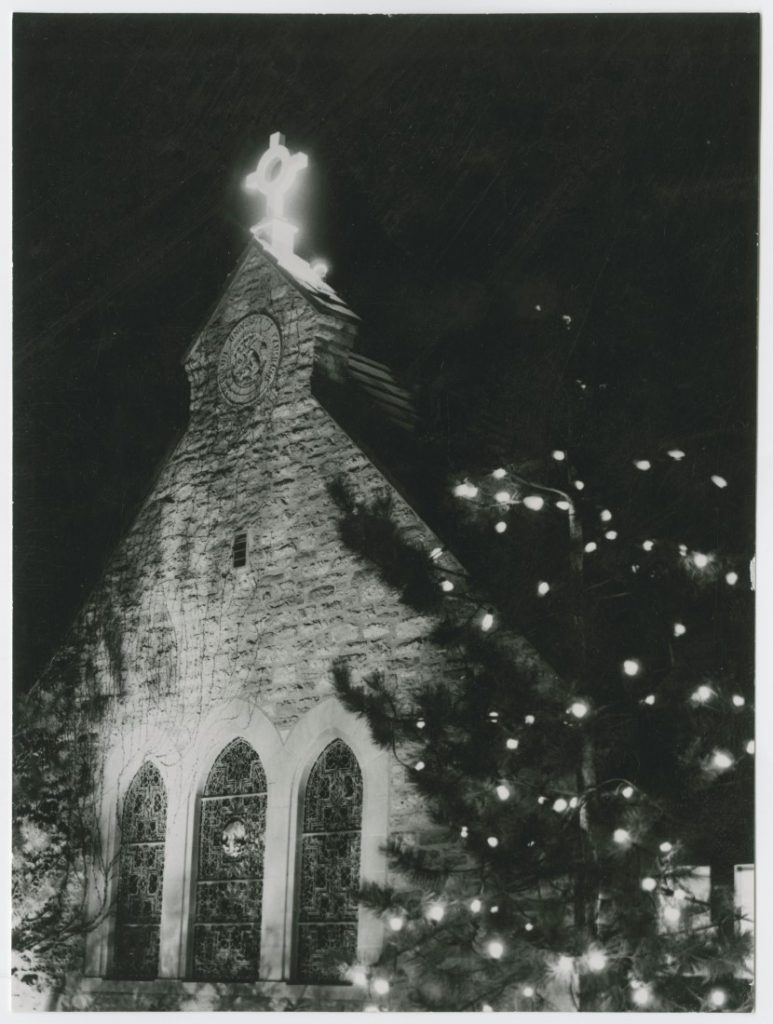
(174, 631)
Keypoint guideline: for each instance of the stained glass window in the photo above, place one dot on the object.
(330, 866)
(141, 876)
(229, 891)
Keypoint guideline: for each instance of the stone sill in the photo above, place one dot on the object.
(98, 994)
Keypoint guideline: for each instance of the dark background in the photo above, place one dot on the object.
(463, 171)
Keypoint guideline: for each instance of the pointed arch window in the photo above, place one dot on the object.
(330, 865)
(229, 890)
(141, 876)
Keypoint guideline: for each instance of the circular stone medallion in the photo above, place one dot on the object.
(249, 359)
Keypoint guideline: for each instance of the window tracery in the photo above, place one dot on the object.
(330, 866)
(141, 876)
(226, 943)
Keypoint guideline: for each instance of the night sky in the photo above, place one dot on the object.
(463, 172)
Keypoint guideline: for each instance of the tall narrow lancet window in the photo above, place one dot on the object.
(330, 865)
(141, 876)
(229, 890)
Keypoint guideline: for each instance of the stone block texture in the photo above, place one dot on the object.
(176, 645)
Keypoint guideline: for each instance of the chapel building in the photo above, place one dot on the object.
(240, 806)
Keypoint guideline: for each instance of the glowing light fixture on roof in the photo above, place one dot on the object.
(503, 497)
(543, 588)
(501, 526)
(648, 545)
(676, 454)
(499, 474)
(643, 464)
(679, 629)
(274, 177)
(731, 578)
(700, 560)
(721, 760)
(631, 667)
(719, 481)
(487, 622)
(512, 744)
(605, 516)
(559, 455)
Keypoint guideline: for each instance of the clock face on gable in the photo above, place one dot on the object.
(249, 359)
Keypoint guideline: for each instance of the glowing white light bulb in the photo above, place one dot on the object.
(503, 497)
(495, 909)
(611, 534)
(396, 923)
(529, 719)
(559, 455)
(487, 622)
(419, 766)
(534, 502)
(643, 464)
(702, 694)
(493, 715)
(672, 915)
(579, 485)
(476, 906)
(574, 802)
(650, 699)
(565, 964)
(464, 832)
(700, 560)
(597, 960)
(642, 996)
(731, 578)
(499, 474)
(381, 986)
(631, 667)
(495, 949)
(591, 546)
(627, 792)
(750, 747)
(722, 760)
(493, 842)
(435, 553)
(679, 629)
(676, 453)
(465, 490)
(512, 744)
(605, 516)
(560, 805)
(717, 997)
(719, 481)
(543, 588)
(665, 847)
(446, 586)
(738, 700)
(503, 792)
(563, 505)
(579, 709)
(359, 977)
(649, 884)
(420, 723)
(501, 526)
(528, 991)
(621, 836)
(648, 545)
(436, 912)
(529, 927)
(683, 550)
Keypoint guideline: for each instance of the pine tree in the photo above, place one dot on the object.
(577, 801)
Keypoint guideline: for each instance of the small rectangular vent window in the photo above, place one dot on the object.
(240, 550)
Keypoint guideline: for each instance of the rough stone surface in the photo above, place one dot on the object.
(174, 631)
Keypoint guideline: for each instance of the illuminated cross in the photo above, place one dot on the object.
(274, 177)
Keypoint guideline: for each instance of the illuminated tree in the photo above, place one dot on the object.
(578, 792)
